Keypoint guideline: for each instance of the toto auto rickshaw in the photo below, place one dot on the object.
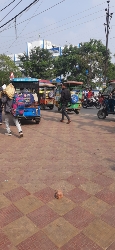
(31, 108)
(108, 104)
(47, 93)
(76, 96)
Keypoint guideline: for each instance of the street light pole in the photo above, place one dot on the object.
(107, 28)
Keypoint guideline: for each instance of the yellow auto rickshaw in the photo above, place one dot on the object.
(47, 94)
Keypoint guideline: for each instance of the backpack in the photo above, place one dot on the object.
(18, 105)
(68, 95)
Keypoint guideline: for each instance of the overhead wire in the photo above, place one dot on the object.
(33, 16)
(13, 18)
(51, 8)
(31, 37)
(77, 25)
(11, 11)
(1, 2)
(71, 22)
(50, 30)
(63, 24)
(7, 5)
(67, 28)
(24, 27)
(71, 43)
(66, 19)
(66, 24)
(30, 19)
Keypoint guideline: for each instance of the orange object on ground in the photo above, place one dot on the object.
(58, 194)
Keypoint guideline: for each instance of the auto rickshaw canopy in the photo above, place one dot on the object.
(28, 82)
(72, 83)
(46, 85)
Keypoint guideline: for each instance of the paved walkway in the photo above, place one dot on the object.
(79, 159)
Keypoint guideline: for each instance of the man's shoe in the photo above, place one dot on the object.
(61, 120)
(68, 121)
(9, 134)
(21, 134)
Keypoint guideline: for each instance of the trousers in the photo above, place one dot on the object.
(64, 112)
(0, 116)
(9, 117)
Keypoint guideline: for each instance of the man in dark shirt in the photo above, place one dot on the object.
(65, 98)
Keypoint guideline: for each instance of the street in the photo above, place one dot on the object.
(79, 160)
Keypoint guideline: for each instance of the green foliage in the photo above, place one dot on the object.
(6, 67)
(72, 64)
(90, 56)
(111, 71)
(38, 64)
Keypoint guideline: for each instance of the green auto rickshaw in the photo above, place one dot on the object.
(76, 96)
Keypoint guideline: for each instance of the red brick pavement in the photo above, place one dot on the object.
(79, 159)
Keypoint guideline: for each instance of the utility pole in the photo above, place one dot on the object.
(107, 28)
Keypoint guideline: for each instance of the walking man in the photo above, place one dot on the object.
(65, 98)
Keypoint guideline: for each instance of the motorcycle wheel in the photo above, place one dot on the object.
(84, 105)
(101, 114)
(98, 106)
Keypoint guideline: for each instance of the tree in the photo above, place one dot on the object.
(6, 67)
(111, 71)
(66, 64)
(38, 64)
(86, 63)
(94, 56)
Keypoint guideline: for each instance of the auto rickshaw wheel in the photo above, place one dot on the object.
(51, 107)
(101, 114)
(37, 121)
(43, 106)
(76, 112)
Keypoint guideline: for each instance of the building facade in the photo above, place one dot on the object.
(43, 44)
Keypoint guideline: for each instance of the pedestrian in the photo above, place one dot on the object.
(1, 107)
(85, 93)
(7, 102)
(89, 96)
(65, 99)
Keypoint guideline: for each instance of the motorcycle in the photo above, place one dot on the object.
(107, 108)
(93, 102)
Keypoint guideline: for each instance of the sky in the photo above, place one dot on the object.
(63, 22)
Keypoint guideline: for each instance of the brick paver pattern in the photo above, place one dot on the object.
(78, 159)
